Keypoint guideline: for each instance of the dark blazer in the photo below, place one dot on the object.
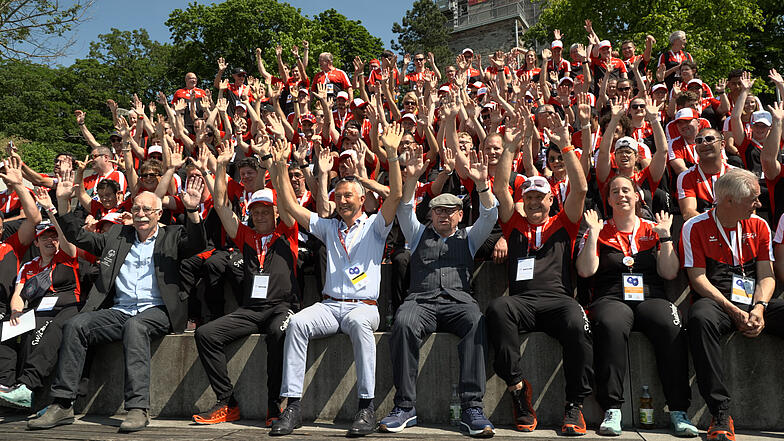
(173, 244)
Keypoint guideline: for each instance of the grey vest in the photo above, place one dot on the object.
(442, 266)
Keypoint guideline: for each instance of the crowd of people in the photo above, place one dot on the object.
(568, 172)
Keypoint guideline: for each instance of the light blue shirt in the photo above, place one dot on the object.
(136, 288)
(365, 241)
(477, 233)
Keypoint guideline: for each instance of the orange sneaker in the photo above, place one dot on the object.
(573, 422)
(523, 411)
(220, 413)
(721, 427)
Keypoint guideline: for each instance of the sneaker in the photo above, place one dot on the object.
(523, 411)
(573, 422)
(220, 413)
(398, 419)
(611, 425)
(364, 423)
(721, 427)
(681, 425)
(55, 415)
(273, 414)
(18, 397)
(475, 423)
(191, 326)
(289, 420)
(136, 420)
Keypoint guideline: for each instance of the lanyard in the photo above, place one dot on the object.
(304, 199)
(692, 151)
(530, 236)
(343, 240)
(708, 183)
(676, 56)
(631, 250)
(262, 248)
(735, 239)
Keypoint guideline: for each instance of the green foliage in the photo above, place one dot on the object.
(719, 32)
(348, 38)
(423, 29)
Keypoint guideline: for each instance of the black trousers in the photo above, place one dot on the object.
(612, 320)
(559, 316)
(104, 326)
(707, 324)
(401, 279)
(30, 360)
(414, 321)
(212, 338)
(221, 267)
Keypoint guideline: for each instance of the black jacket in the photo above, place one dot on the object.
(173, 244)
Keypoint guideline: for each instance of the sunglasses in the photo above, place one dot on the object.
(624, 89)
(149, 175)
(708, 139)
(637, 106)
(410, 103)
(419, 59)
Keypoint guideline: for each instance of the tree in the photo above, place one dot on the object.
(718, 31)
(32, 29)
(423, 29)
(348, 38)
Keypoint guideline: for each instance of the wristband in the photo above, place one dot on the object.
(192, 210)
(304, 165)
(141, 116)
(567, 149)
(267, 156)
(393, 159)
(665, 239)
(482, 191)
(81, 124)
(764, 304)
(586, 127)
(52, 210)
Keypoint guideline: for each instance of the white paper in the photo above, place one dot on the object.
(47, 304)
(525, 268)
(26, 323)
(260, 284)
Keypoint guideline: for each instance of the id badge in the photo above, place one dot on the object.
(525, 268)
(330, 88)
(47, 304)
(633, 288)
(260, 284)
(356, 275)
(742, 289)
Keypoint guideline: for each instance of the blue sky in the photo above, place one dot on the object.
(377, 17)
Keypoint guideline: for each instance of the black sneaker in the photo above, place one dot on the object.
(721, 427)
(573, 422)
(289, 420)
(364, 423)
(523, 411)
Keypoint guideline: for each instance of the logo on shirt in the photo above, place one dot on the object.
(712, 239)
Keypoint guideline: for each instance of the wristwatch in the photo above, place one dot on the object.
(764, 304)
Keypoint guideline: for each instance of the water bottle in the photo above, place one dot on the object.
(454, 407)
(646, 409)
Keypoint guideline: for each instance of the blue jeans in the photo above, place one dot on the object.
(104, 326)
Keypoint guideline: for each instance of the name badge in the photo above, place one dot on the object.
(330, 88)
(525, 268)
(356, 275)
(260, 284)
(633, 288)
(742, 289)
(47, 304)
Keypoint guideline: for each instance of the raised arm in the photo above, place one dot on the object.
(659, 161)
(88, 137)
(45, 201)
(575, 200)
(603, 160)
(13, 180)
(587, 262)
(770, 149)
(287, 200)
(512, 141)
(391, 141)
(222, 65)
(738, 134)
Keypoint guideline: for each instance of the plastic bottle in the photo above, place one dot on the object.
(646, 409)
(454, 407)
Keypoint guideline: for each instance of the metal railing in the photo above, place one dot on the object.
(524, 10)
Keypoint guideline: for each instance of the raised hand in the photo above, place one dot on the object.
(224, 84)
(13, 171)
(651, 109)
(478, 167)
(193, 191)
(559, 134)
(222, 65)
(161, 97)
(593, 221)
(588, 26)
(65, 188)
(137, 105)
(222, 105)
(79, 116)
(112, 105)
(278, 50)
(225, 153)
(775, 77)
(746, 81)
(663, 224)
(280, 151)
(416, 164)
(295, 50)
(660, 72)
(721, 86)
(301, 152)
(359, 65)
(547, 54)
(43, 198)
(777, 111)
(325, 160)
(391, 138)
(557, 34)
(275, 125)
(151, 106)
(176, 159)
(584, 108)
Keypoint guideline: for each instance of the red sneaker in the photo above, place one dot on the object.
(523, 411)
(721, 428)
(220, 413)
(573, 423)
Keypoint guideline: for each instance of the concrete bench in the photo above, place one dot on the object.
(180, 388)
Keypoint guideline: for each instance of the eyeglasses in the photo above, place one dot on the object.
(115, 139)
(445, 211)
(97, 156)
(138, 209)
(409, 103)
(708, 139)
(637, 106)
(149, 175)
(624, 89)
(419, 59)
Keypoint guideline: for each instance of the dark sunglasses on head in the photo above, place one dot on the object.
(705, 139)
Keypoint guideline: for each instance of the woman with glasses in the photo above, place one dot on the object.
(630, 259)
(624, 158)
(49, 285)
